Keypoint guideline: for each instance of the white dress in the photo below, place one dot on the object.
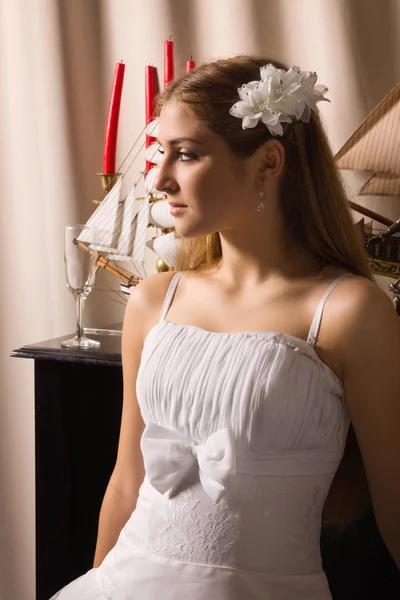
(244, 433)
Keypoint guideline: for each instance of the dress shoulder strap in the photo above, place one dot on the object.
(170, 294)
(316, 323)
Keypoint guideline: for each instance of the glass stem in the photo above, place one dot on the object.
(79, 313)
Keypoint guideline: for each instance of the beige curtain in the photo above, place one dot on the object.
(56, 66)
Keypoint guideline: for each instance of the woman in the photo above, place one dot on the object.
(251, 362)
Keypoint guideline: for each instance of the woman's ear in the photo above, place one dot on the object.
(271, 160)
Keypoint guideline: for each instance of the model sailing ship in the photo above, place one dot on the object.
(122, 224)
(128, 224)
(375, 147)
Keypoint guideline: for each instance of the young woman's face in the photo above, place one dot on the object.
(199, 170)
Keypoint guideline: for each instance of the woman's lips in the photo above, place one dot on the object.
(177, 209)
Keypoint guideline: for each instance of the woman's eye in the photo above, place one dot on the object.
(186, 156)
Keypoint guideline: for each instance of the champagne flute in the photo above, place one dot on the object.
(80, 274)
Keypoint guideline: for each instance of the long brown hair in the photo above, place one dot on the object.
(314, 205)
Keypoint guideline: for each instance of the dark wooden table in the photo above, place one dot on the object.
(78, 401)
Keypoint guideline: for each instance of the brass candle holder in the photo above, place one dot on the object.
(108, 180)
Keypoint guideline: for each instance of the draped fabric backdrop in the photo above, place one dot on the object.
(56, 68)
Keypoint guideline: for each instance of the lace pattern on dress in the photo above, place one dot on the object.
(264, 524)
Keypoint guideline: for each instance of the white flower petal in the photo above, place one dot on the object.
(282, 73)
(305, 117)
(321, 89)
(249, 122)
(270, 118)
(267, 71)
(260, 94)
(285, 105)
(252, 101)
(314, 96)
(275, 81)
(276, 129)
(270, 71)
(293, 89)
(292, 77)
(308, 80)
(246, 88)
(243, 93)
(299, 111)
(241, 109)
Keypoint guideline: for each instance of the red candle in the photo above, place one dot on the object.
(110, 138)
(150, 94)
(168, 62)
(190, 64)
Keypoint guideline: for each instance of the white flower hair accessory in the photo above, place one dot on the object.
(279, 97)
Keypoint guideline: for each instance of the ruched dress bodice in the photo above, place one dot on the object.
(244, 433)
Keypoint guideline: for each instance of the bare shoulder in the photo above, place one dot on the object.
(150, 290)
(360, 309)
(369, 343)
(360, 323)
(146, 300)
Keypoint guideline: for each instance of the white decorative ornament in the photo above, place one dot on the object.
(159, 214)
(150, 179)
(279, 97)
(152, 128)
(153, 154)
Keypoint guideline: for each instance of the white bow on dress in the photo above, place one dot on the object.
(170, 455)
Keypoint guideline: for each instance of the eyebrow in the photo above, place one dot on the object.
(180, 140)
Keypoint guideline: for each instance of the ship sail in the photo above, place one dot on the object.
(375, 145)
(381, 184)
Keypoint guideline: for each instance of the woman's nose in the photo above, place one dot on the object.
(164, 181)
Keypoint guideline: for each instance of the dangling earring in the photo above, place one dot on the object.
(260, 206)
